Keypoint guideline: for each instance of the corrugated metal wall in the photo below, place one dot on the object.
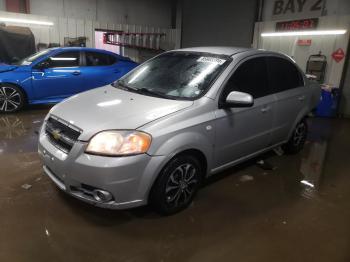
(140, 12)
(69, 27)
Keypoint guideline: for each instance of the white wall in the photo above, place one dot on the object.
(74, 18)
(295, 11)
(334, 14)
(70, 27)
(142, 12)
(337, 7)
(155, 13)
(326, 44)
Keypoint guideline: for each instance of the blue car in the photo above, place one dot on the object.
(54, 74)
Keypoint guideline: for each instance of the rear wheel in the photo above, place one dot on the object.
(12, 98)
(177, 185)
(298, 138)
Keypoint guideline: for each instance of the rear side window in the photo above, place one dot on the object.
(250, 77)
(99, 59)
(283, 74)
(65, 59)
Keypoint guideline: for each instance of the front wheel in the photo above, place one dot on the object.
(176, 185)
(298, 138)
(11, 99)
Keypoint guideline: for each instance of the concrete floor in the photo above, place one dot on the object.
(298, 212)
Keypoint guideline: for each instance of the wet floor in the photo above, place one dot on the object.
(298, 211)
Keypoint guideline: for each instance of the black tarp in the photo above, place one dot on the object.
(15, 43)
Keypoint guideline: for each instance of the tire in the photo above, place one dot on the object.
(12, 98)
(176, 185)
(298, 138)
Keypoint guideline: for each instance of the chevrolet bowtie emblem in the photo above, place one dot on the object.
(56, 134)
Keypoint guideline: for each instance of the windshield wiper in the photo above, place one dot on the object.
(143, 91)
(123, 86)
(146, 91)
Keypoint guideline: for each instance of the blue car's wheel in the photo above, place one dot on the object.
(11, 98)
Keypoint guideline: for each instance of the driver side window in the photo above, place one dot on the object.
(65, 59)
(250, 77)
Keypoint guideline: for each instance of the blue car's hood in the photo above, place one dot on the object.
(6, 68)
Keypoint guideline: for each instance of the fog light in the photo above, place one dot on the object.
(102, 196)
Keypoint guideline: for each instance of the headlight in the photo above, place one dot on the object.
(118, 143)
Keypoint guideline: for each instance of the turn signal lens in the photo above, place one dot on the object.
(119, 143)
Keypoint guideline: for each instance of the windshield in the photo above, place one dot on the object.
(176, 75)
(28, 60)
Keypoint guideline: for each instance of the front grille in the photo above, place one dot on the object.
(86, 190)
(61, 134)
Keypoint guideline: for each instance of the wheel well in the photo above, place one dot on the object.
(18, 86)
(199, 155)
(303, 118)
(192, 152)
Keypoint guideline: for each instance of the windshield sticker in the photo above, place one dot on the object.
(211, 60)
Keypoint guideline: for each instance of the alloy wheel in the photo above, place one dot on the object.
(181, 185)
(299, 134)
(10, 99)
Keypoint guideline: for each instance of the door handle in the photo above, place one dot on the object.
(76, 73)
(265, 109)
(301, 98)
(116, 71)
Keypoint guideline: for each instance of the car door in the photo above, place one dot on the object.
(242, 132)
(287, 83)
(99, 69)
(57, 77)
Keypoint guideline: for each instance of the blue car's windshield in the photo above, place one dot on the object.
(28, 60)
(176, 75)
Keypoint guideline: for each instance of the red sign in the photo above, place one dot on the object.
(297, 25)
(338, 55)
(304, 42)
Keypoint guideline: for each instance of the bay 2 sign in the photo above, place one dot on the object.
(297, 8)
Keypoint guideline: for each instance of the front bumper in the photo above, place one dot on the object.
(129, 179)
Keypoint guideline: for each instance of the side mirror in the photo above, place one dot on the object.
(43, 65)
(238, 99)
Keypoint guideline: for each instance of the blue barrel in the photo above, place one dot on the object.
(328, 105)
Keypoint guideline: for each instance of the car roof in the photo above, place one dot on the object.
(79, 49)
(228, 51)
(218, 50)
(54, 49)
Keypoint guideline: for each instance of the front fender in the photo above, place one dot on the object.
(22, 80)
(167, 150)
(303, 113)
(182, 142)
(314, 94)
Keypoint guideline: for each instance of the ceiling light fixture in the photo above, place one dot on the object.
(25, 21)
(305, 33)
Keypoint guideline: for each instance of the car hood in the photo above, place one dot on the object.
(7, 68)
(109, 108)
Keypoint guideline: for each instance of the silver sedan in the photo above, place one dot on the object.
(154, 135)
